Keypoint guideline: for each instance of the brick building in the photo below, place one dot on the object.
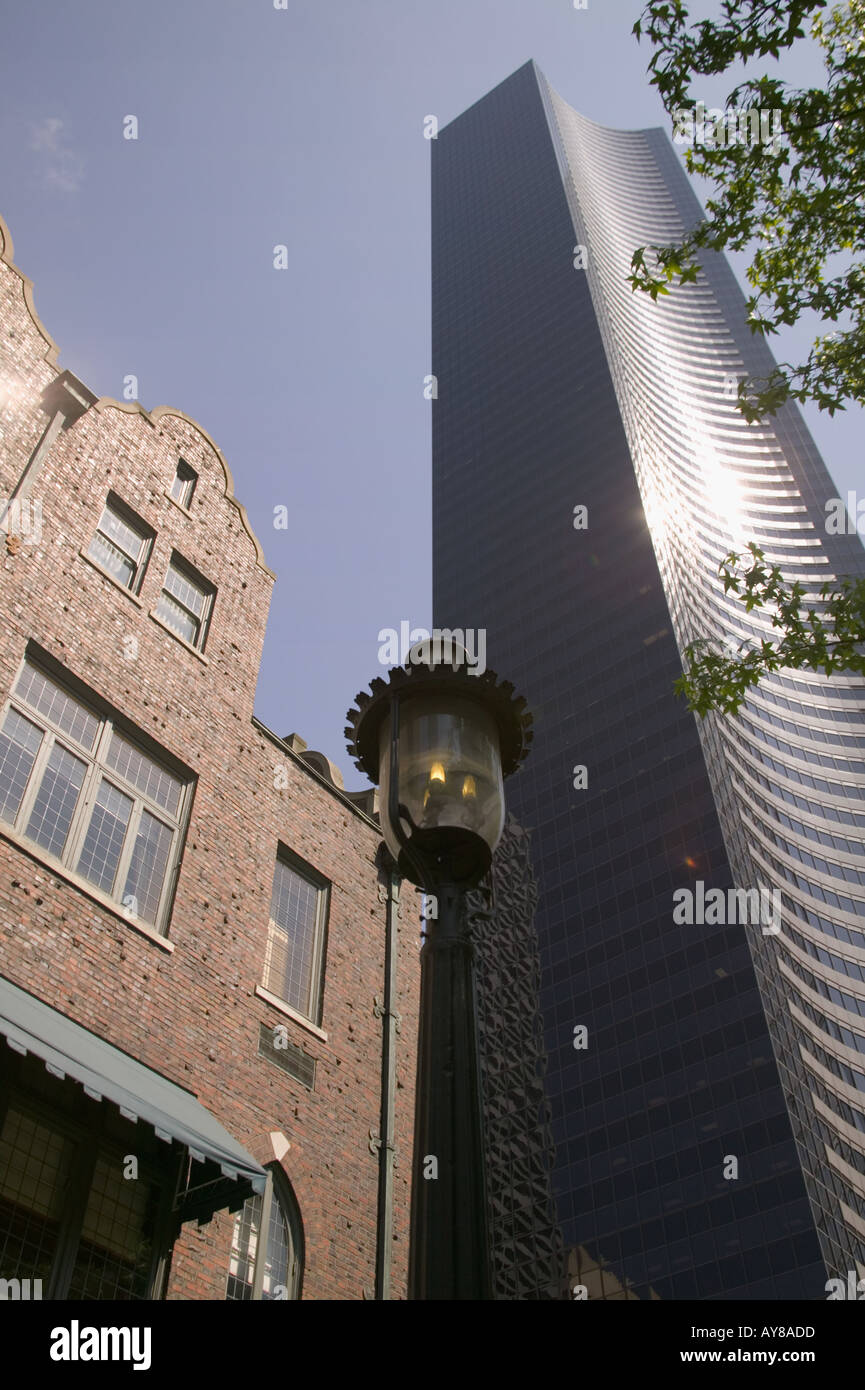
(202, 958)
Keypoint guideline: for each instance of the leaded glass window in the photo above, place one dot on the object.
(90, 796)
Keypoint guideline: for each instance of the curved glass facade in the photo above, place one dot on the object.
(558, 386)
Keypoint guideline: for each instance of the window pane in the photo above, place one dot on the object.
(121, 534)
(178, 619)
(184, 591)
(291, 937)
(294, 901)
(244, 1246)
(105, 834)
(116, 1245)
(19, 744)
(144, 774)
(276, 1265)
(147, 867)
(61, 709)
(55, 801)
(35, 1169)
(184, 480)
(244, 1243)
(112, 559)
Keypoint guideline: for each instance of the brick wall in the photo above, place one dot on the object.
(191, 1013)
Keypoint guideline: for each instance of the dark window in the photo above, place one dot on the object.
(184, 482)
(68, 1217)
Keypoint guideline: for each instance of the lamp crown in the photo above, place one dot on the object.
(426, 673)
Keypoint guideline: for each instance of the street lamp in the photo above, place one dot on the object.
(439, 739)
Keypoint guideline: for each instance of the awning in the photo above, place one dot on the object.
(106, 1073)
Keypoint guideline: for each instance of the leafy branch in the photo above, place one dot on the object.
(826, 641)
(799, 197)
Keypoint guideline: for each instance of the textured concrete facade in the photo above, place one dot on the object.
(528, 1256)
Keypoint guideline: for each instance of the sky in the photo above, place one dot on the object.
(300, 126)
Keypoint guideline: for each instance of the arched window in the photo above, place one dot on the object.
(280, 1255)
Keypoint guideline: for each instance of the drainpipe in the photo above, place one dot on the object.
(389, 894)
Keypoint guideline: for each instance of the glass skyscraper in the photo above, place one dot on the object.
(707, 1081)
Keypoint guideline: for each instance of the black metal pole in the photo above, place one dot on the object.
(449, 1248)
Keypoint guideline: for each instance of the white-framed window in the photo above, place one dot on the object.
(121, 544)
(90, 796)
(186, 602)
(184, 482)
(294, 955)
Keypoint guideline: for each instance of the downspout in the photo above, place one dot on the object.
(384, 1009)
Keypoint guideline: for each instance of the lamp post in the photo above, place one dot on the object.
(439, 739)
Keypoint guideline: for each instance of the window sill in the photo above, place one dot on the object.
(289, 1012)
(177, 637)
(179, 505)
(106, 574)
(53, 866)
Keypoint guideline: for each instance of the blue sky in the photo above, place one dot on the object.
(300, 126)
